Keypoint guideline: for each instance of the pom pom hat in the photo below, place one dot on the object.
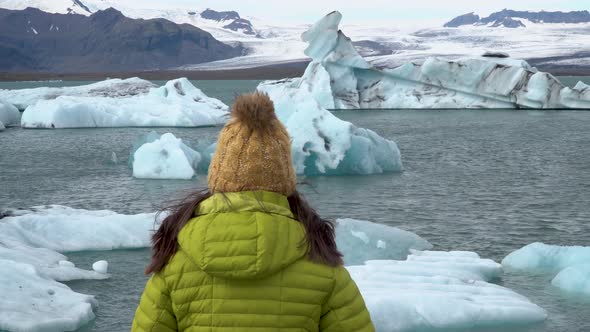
(253, 150)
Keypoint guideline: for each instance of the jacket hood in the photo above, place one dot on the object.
(243, 235)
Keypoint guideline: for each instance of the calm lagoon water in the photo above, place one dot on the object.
(486, 181)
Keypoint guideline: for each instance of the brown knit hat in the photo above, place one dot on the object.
(253, 150)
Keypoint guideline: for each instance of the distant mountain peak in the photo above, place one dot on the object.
(513, 19)
(237, 23)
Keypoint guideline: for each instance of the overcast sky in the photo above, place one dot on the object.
(363, 11)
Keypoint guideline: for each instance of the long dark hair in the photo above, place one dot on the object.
(320, 236)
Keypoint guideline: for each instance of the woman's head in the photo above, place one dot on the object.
(253, 153)
(253, 150)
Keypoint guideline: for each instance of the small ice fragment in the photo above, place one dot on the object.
(101, 267)
(66, 264)
(361, 235)
(114, 158)
(381, 244)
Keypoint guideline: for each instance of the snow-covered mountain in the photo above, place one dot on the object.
(553, 41)
(518, 19)
(36, 41)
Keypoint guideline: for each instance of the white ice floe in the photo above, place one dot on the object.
(176, 104)
(66, 229)
(434, 290)
(363, 240)
(338, 77)
(166, 157)
(9, 115)
(34, 303)
(572, 263)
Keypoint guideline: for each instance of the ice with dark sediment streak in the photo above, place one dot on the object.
(119, 103)
(338, 77)
(114, 88)
(322, 143)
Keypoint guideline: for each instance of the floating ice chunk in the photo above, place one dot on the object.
(9, 115)
(32, 302)
(176, 104)
(101, 267)
(576, 96)
(481, 82)
(573, 264)
(65, 229)
(574, 279)
(440, 290)
(363, 240)
(66, 264)
(114, 88)
(324, 144)
(165, 158)
(540, 257)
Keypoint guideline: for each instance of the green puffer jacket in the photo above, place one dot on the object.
(240, 267)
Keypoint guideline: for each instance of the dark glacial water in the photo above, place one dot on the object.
(486, 181)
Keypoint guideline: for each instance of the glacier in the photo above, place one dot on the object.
(9, 115)
(166, 157)
(339, 78)
(571, 263)
(119, 103)
(418, 289)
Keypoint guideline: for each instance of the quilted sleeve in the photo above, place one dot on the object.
(345, 310)
(154, 312)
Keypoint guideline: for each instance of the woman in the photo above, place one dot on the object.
(249, 254)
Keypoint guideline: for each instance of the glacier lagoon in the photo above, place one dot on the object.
(485, 181)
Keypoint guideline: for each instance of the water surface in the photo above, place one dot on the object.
(486, 181)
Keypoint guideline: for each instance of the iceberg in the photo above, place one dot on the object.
(176, 104)
(113, 88)
(540, 257)
(435, 290)
(9, 115)
(167, 157)
(321, 142)
(570, 263)
(361, 241)
(574, 279)
(338, 77)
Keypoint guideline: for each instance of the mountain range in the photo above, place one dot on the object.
(33, 40)
(514, 19)
(173, 39)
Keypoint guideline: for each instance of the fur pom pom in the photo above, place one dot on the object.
(255, 110)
